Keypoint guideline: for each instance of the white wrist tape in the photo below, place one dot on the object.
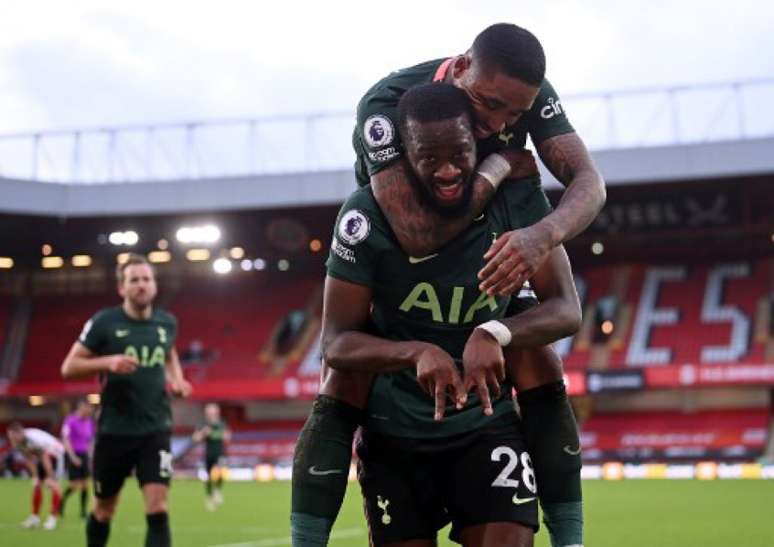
(495, 169)
(500, 332)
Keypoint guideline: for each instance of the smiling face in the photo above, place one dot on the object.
(498, 100)
(442, 155)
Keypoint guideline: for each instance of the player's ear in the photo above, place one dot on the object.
(460, 64)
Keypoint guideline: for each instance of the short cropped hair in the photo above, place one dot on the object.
(433, 102)
(130, 261)
(512, 50)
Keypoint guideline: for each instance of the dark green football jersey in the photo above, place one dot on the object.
(377, 142)
(433, 299)
(136, 403)
(214, 441)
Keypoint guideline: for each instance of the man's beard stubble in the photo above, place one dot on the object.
(428, 200)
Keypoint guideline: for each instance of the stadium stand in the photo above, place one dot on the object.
(676, 314)
(55, 325)
(668, 315)
(738, 434)
(5, 311)
(235, 320)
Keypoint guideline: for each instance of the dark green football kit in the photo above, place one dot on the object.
(377, 142)
(547, 417)
(135, 420)
(445, 465)
(213, 444)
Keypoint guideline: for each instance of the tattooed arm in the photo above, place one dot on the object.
(419, 230)
(517, 255)
(569, 161)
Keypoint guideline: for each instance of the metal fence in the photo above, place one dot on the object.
(630, 118)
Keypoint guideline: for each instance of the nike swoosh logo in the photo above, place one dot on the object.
(479, 217)
(518, 501)
(414, 260)
(570, 451)
(321, 473)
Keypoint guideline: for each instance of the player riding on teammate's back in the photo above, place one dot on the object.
(411, 322)
(502, 74)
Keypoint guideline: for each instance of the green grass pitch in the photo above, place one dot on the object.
(650, 513)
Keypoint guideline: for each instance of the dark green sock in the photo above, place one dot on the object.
(552, 438)
(158, 530)
(97, 532)
(320, 469)
(208, 486)
(65, 495)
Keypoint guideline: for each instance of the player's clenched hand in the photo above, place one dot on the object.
(522, 163)
(77, 462)
(513, 258)
(438, 376)
(121, 364)
(181, 387)
(484, 367)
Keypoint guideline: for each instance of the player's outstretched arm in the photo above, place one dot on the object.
(81, 361)
(421, 231)
(524, 251)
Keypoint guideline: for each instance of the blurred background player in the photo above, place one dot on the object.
(132, 348)
(41, 450)
(77, 438)
(214, 433)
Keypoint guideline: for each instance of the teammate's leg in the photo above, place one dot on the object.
(218, 486)
(114, 458)
(154, 471)
(552, 438)
(323, 455)
(209, 502)
(156, 514)
(98, 524)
